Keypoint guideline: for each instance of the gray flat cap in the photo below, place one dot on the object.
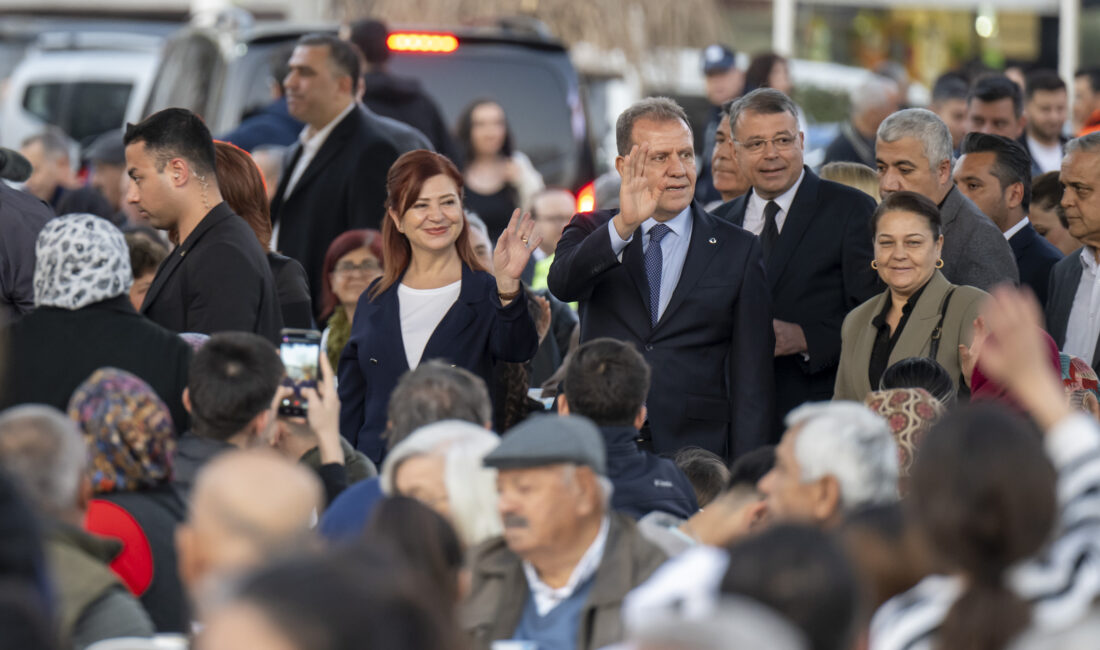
(548, 440)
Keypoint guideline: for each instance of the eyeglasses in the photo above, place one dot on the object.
(780, 142)
(366, 266)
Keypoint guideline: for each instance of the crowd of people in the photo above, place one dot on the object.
(752, 406)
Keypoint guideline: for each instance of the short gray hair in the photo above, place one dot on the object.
(925, 127)
(45, 454)
(873, 93)
(850, 442)
(435, 391)
(56, 144)
(762, 101)
(1089, 143)
(659, 109)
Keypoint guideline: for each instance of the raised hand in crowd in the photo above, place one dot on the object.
(324, 414)
(512, 252)
(637, 197)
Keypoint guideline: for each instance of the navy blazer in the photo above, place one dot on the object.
(1064, 279)
(819, 270)
(710, 353)
(1035, 257)
(475, 332)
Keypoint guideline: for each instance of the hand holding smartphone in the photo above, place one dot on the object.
(300, 351)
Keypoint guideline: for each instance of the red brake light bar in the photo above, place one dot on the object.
(422, 42)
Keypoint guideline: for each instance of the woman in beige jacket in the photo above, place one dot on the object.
(920, 314)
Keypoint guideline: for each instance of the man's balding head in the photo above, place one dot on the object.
(246, 507)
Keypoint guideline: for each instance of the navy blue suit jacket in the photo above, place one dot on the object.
(1035, 257)
(474, 333)
(710, 353)
(819, 270)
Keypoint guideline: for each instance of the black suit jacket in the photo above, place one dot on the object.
(710, 353)
(54, 350)
(217, 280)
(819, 270)
(1064, 279)
(1035, 257)
(344, 187)
(474, 333)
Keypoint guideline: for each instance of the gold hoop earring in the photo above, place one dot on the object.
(874, 264)
(939, 263)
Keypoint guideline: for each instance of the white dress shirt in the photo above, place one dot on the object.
(546, 597)
(312, 141)
(674, 249)
(1083, 328)
(1047, 157)
(1017, 228)
(754, 211)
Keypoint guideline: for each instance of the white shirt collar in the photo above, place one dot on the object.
(546, 597)
(1017, 228)
(1088, 259)
(321, 134)
(784, 200)
(678, 224)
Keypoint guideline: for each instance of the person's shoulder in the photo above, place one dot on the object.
(23, 209)
(626, 539)
(592, 220)
(492, 556)
(866, 310)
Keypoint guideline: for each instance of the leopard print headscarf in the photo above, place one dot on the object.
(81, 259)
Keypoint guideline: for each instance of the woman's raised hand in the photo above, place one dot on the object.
(513, 249)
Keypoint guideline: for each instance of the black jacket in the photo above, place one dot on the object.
(292, 287)
(1035, 257)
(53, 350)
(217, 280)
(192, 453)
(644, 482)
(344, 187)
(711, 351)
(22, 217)
(819, 270)
(402, 98)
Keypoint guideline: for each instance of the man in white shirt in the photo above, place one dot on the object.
(1073, 304)
(335, 175)
(994, 173)
(1046, 106)
(558, 576)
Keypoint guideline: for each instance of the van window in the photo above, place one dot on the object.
(82, 109)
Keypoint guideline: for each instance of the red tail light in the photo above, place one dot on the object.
(586, 198)
(417, 42)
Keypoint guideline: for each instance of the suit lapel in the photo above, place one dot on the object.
(701, 249)
(457, 318)
(926, 313)
(735, 214)
(1061, 303)
(385, 319)
(865, 341)
(634, 261)
(798, 219)
(335, 141)
(288, 170)
(175, 260)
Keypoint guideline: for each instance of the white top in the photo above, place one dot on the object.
(754, 211)
(421, 312)
(311, 144)
(546, 597)
(1017, 228)
(1047, 157)
(674, 249)
(1083, 328)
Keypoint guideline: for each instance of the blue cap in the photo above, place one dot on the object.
(718, 58)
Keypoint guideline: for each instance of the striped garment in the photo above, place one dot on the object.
(1061, 583)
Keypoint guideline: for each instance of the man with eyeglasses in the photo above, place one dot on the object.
(817, 246)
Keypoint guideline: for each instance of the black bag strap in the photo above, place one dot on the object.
(937, 333)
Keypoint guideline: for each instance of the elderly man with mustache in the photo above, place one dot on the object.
(557, 577)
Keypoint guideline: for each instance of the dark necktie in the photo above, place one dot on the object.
(770, 234)
(653, 261)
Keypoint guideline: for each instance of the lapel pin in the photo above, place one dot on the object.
(712, 240)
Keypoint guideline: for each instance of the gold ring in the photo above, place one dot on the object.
(524, 239)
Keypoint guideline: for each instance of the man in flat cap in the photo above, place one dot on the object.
(558, 575)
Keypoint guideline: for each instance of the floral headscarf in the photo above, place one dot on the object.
(910, 412)
(128, 430)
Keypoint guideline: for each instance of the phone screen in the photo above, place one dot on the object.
(300, 351)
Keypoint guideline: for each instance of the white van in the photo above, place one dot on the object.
(86, 83)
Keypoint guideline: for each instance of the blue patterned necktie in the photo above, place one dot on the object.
(653, 261)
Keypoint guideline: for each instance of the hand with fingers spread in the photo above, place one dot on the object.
(637, 198)
(514, 248)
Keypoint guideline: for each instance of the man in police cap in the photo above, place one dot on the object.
(560, 572)
(724, 82)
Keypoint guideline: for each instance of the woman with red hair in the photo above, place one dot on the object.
(434, 300)
(352, 262)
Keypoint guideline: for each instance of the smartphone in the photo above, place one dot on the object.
(300, 351)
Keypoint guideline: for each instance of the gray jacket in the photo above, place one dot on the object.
(975, 252)
(21, 218)
(1065, 276)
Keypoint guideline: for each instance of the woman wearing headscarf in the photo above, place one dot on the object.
(84, 321)
(910, 413)
(130, 444)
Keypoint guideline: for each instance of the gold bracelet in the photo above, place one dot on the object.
(505, 297)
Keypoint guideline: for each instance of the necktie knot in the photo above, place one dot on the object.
(658, 232)
(770, 210)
